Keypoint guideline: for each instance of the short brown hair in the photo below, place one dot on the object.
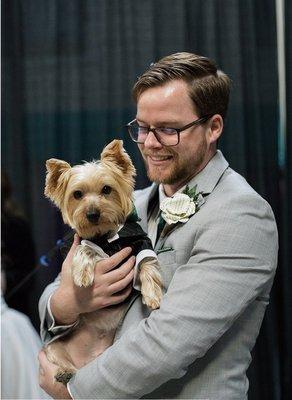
(209, 87)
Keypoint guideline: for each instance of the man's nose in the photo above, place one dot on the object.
(151, 141)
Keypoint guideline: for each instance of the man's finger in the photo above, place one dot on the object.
(118, 298)
(120, 273)
(44, 362)
(41, 356)
(75, 243)
(116, 259)
(122, 284)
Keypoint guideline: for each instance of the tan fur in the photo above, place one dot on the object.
(83, 265)
(116, 171)
(151, 283)
(56, 180)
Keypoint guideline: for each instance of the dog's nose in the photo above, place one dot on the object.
(93, 216)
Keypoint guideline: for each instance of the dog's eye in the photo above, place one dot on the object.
(77, 194)
(106, 189)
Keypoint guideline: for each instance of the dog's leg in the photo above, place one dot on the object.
(58, 355)
(83, 265)
(151, 283)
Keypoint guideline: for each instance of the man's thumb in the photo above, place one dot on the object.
(71, 252)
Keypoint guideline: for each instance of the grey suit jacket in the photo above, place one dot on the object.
(217, 270)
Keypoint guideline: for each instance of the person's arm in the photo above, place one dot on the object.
(233, 261)
(62, 301)
(53, 323)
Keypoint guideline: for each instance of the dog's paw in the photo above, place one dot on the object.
(83, 266)
(83, 276)
(151, 284)
(153, 298)
(64, 376)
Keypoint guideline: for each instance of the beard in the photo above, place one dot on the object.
(181, 169)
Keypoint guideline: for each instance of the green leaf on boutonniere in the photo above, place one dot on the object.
(192, 193)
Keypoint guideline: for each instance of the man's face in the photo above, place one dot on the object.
(170, 106)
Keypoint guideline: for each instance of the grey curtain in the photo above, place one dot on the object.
(68, 68)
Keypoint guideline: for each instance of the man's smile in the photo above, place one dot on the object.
(158, 157)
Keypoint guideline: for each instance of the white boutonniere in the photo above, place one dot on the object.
(181, 206)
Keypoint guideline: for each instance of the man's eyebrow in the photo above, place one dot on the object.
(140, 120)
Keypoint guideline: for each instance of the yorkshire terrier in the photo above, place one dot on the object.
(95, 200)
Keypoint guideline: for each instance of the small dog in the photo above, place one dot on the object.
(95, 199)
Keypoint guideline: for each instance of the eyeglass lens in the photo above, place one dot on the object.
(166, 136)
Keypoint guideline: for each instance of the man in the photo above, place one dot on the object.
(218, 253)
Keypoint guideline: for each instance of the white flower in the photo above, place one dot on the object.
(177, 208)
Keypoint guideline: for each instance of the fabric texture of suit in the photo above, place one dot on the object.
(218, 270)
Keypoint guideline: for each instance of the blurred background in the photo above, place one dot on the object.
(68, 67)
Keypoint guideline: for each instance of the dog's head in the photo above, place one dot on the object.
(95, 197)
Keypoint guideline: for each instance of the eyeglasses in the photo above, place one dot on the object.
(165, 136)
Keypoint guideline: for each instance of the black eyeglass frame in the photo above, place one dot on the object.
(198, 121)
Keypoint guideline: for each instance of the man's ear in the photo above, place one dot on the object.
(58, 173)
(215, 128)
(115, 153)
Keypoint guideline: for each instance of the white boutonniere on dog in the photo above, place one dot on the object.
(181, 206)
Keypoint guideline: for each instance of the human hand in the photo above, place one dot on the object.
(47, 382)
(111, 286)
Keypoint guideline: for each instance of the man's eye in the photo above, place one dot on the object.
(166, 131)
(142, 129)
(77, 194)
(106, 189)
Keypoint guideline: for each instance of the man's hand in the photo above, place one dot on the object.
(47, 382)
(111, 286)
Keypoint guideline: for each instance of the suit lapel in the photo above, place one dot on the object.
(142, 203)
(207, 179)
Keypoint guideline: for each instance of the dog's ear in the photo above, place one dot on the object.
(58, 173)
(115, 153)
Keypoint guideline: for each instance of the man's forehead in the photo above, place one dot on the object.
(159, 121)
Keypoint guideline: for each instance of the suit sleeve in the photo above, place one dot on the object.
(233, 261)
(49, 331)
